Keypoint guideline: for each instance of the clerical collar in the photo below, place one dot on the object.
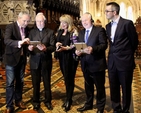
(40, 29)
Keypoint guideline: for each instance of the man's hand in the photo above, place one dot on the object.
(30, 47)
(78, 53)
(41, 47)
(88, 50)
(25, 41)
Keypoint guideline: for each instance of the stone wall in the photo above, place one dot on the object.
(10, 9)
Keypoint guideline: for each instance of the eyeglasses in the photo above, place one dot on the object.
(106, 11)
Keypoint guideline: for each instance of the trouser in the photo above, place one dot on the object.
(97, 79)
(14, 83)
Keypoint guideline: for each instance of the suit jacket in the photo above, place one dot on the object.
(96, 61)
(11, 39)
(121, 50)
(37, 56)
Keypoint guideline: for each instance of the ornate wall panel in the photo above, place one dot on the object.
(10, 10)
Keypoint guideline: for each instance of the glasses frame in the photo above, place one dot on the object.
(106, 11)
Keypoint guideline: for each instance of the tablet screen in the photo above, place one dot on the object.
(35, 42)
(80, 45)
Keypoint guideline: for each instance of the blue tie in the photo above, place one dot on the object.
(86, 36)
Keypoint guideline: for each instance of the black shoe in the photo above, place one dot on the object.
(118, 111)
(126, 112)
(49, 106)
(67, 105)
(84, 108)
(64, 104)
(8, 110)
(20, 105)
(36, 107)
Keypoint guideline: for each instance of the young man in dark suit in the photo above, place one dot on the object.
(123, 41)
(41, 60)
(93, 62)
(15, 60)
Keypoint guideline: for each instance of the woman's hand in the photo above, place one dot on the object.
(58, 44)
(62, 48)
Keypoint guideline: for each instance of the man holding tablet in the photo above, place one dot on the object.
(93, 62)
(42, 44)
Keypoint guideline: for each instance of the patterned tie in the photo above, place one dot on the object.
(23, 37)
(86, 36)
(22, 33)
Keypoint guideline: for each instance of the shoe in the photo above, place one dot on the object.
(9, 110)
(84, 108)
(99, 111)
(126, 112)
(49, 106)
(64, 104)
(36, 107)
(117, 111)
(20, 105)
(68, 105)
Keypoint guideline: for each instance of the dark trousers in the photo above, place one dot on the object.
(14, 83)
(97, 79)
(69, 71)
(120, 81)
(45, 74)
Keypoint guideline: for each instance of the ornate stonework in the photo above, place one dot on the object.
(10, 9)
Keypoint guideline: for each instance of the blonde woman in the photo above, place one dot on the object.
(66, 36)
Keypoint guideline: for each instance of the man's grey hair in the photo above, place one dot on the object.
(41, 14)
(23, 13)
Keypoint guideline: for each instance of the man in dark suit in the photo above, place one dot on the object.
(93, 62)
(123, 41)
(41, 60)
(15, 60)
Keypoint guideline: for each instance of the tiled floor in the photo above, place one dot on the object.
(58, 92)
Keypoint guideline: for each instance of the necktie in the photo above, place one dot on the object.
(23, 36)
(22, 33)
(86, 36)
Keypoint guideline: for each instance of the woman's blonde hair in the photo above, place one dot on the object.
(68, 19)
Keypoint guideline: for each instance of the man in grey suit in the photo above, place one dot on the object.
(123, 41)
(15, 60)
(93, 62)
(41, 60)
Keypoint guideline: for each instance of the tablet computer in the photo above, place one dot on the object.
(80, 46)
(35, 42)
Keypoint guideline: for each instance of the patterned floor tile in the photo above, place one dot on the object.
(58, 92)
